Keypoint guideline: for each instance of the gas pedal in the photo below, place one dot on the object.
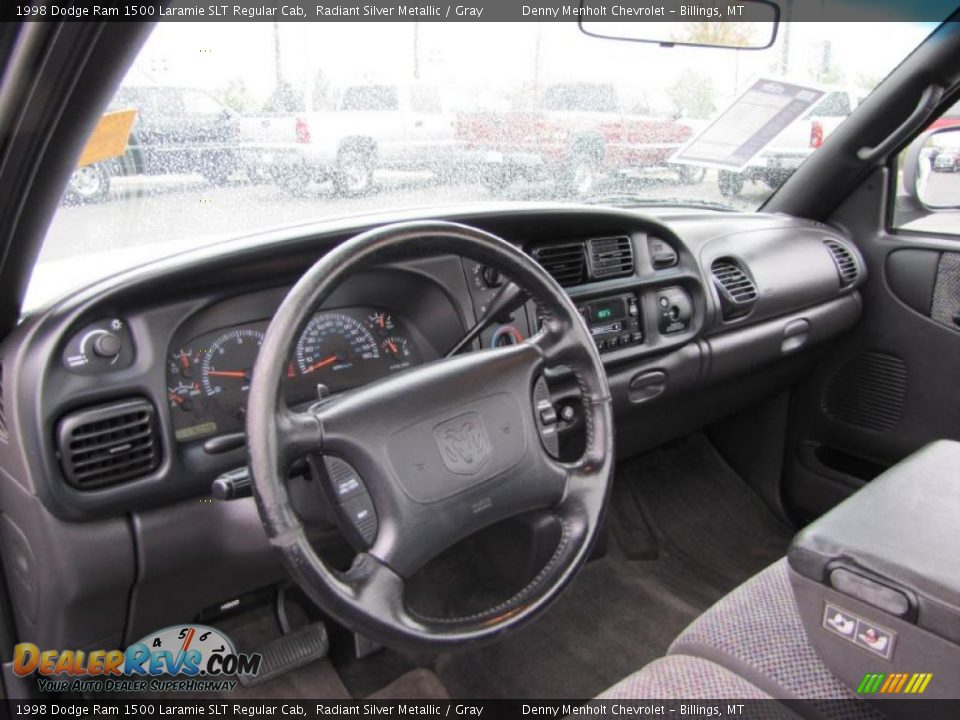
(289, 652)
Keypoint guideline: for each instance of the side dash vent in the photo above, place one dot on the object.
(566, 263)
(610, 257)
(108, 444)
(738, 292)
(845, 261)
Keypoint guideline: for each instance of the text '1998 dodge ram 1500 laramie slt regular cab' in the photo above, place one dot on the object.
(420, 450)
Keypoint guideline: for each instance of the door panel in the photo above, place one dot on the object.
(893, 384)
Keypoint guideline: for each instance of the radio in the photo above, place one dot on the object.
(614, 321)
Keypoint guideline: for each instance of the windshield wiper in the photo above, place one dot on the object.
(635, 200)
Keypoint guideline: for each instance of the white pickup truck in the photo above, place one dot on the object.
(792, 146)
(372, 126)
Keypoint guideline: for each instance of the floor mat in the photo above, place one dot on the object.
(421, 684)
(706, 533)
(702, 512)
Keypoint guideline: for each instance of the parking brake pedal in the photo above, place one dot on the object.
(289, 652)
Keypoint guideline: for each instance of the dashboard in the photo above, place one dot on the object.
(123, 403)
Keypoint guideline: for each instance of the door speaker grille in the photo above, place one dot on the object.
(868, 390)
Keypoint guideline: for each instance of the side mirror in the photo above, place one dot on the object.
(746, 25)
(930, 169)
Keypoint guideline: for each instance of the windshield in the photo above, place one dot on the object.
(220, 130)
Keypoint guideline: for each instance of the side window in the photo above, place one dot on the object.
(928, 184)
(425, 99)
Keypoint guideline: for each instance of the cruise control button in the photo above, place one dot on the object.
(345, 481)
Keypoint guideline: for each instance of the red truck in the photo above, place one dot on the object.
(578, 133)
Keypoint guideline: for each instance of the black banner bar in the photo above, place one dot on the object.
(471, 11)
(490, 709)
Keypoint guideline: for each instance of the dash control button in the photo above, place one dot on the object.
(361, 515)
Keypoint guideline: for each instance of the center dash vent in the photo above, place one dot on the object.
(738, 292)
(610, 257)
(108, 444)
(845, 261)
(566, 263)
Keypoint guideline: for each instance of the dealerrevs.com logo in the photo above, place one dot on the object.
(187, 658)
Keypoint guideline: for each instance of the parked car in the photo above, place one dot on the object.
(946, 161)
(792, 146)
(578, 132)
(179, 130)
(371, 126)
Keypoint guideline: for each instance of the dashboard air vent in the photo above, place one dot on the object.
(845, 261)
(4, 435)
(108, 444)
(566, 262)
(737, 290)
(610, 257)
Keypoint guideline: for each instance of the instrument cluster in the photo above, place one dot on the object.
(208, 377)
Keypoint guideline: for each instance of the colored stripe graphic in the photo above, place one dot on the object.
(894, 683)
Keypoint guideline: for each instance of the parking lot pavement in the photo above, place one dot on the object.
(146, 211)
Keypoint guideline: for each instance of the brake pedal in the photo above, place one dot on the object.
(289, 652)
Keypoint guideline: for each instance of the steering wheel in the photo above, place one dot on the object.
(444, 449)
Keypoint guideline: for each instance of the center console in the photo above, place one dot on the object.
(877, 581)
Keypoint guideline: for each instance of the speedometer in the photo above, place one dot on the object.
(334, 347)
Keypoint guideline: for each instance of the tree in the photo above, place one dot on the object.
(322, 96)
(727, 34)
(283, 99)
(692, 94)
(236, 96)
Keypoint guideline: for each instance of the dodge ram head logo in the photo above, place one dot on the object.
(463, 443)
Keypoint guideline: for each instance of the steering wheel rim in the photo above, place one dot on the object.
(485, 388)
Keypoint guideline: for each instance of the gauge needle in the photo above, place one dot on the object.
(321, 364)
(393, 347)
(228, 373)
(175, 398)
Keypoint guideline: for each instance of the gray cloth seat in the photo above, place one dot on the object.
(750, 644)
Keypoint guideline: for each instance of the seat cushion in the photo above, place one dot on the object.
(681, 677)
(755, 631)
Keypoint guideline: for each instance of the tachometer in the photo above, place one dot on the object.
(333, 347)
(227, 365)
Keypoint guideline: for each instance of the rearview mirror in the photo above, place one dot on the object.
(746, 25)
(931, 167)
